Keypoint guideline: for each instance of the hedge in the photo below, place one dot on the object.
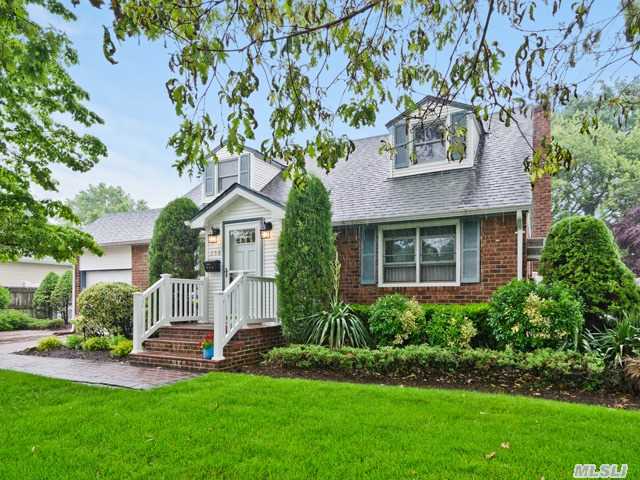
(549, 366)
(478, 313)
(17, 320)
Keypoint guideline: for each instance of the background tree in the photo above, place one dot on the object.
(604, 180)
(627, 233)
(43, 303)
(61, 295)
(39, 104)
(98, 200)
(318, 64)
(174, 246)
(306, 253)
(581, 252)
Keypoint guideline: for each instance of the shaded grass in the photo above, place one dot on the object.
(242, 426)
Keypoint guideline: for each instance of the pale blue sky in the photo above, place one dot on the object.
(131, 98)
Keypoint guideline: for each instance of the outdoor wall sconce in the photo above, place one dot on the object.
(214, 235)
(265, 230)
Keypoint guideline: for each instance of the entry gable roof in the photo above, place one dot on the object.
(225, 198)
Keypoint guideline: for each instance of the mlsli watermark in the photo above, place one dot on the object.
(606, 470)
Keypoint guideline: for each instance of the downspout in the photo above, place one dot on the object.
(520, 241)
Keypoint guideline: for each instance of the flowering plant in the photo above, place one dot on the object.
(206, 342)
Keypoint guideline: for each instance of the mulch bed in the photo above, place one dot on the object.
(461, 381)
(63, 352)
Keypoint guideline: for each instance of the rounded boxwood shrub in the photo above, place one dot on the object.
(49, 343)
(393, 319)
(94, 344)
(106, 308)
(450, 329)
(581, 252)
(525, 315)
(122, 348)
(74, 342)
(5, 298)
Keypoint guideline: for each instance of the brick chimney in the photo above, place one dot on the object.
(541, 216)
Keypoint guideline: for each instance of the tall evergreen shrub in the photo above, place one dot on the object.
(174, 245)
(61, 295)
(43, 303)
(581, 252)
(306, 252)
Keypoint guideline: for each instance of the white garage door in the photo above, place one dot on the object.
(96, 276)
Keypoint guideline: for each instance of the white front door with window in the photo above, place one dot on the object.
(242, 250)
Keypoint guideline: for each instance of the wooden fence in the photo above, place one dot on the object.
(22, 298)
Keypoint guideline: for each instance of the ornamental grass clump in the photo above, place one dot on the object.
(338, 326)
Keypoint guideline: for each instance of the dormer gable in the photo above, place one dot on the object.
(248, 169)
(436, 136)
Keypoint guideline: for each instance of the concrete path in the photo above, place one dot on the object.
(77, 370)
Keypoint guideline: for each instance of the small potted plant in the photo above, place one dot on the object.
(206, 345)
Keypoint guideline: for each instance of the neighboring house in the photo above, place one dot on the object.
(29, 272)
(409, 222)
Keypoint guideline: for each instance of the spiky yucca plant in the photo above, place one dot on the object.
(337, 326)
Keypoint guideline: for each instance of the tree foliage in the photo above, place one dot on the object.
(604, 180)
(306, 255)
(38, 103)
(627, 233)
(42, 298)
(61, 295)
(98, 200)
(174, 245)
(581, 252)
(295, 57)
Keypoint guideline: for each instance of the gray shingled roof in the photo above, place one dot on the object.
(361, 188)
(123, 228)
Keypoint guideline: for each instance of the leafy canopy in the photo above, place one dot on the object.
(627, 234)
(98, 200)
(39, 102)
(305, 262)
(604, 180)
(174, 245)
(315, 64)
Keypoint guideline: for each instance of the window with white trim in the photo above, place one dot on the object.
(218, 177)
(422, 254)
(432, 144)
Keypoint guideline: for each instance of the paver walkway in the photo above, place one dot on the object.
(78, 370)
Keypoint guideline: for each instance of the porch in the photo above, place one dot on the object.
(172, 316)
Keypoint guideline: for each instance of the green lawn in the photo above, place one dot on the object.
(240, 426)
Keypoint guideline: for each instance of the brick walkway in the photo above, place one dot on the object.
(77, 370)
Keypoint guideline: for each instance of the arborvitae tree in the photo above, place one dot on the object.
(42, 302)
(581, 252)
(174, 245)
(306, 253)
(61, 296)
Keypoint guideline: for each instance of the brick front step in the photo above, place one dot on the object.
(173, 360)
(177, 347)
(165, 344)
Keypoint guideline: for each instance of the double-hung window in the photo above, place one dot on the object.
(218, 177)
(421, 254)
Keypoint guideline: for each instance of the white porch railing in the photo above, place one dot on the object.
(168, 300)
(248, 299)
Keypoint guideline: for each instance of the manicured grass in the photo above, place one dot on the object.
(240, 426)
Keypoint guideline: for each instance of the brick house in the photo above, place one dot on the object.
(410, 220)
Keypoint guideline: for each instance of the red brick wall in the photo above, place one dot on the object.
(541, 219)
(140, 266)
(498, 260)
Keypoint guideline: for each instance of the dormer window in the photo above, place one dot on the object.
(220, 176)
(427, 145)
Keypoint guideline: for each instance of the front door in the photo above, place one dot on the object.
(241, 251)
